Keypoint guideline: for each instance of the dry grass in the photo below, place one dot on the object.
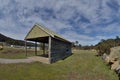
(15, 53)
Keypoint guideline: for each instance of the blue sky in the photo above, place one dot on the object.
(87, 21)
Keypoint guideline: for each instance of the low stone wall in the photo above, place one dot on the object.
(59, 50)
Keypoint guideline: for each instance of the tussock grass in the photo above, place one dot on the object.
(82, 65)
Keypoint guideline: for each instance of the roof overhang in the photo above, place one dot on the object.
(39, 39)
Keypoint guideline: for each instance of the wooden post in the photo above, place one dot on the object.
(26, 47)
(35, 48)
(49, 49)
(43, 48)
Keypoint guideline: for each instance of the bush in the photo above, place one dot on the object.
(104, 46)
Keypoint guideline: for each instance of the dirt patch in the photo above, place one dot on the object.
(9, 61)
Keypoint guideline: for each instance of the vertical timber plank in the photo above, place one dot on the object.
(26, 47)
(49, 49)
(35, 48)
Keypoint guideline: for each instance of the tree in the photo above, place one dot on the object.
(76, 43)
(117, 41)
(102, 40)
(73, 44)
(80, 45)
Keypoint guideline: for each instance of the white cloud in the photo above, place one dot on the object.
(83, 39)
(4, 3)
(112, 27)
(99, 37)
(18, 16)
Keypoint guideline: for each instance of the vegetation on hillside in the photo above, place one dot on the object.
(104, 45)
(11, 41)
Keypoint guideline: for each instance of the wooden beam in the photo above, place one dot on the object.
(49, 49)
(35, 48)
(26, 47)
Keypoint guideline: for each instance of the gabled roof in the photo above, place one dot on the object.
(41, 31)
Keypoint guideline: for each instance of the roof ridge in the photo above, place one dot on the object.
(42, 27)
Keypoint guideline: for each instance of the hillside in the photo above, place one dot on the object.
(104, 45)
(12, 41)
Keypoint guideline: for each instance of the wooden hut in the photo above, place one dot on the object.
(58, 47)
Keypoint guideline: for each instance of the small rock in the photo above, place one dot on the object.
(117, 70)
(104, 56)
(114, 65)
(107, 59)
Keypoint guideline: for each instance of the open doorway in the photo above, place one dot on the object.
(44, 49)
(40, 46)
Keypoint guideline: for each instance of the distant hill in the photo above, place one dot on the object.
(12, 41)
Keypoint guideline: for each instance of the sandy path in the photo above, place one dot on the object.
(8, 61)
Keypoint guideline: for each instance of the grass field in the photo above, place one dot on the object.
(82, 65)
(17, 53)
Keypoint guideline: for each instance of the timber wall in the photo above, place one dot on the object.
(59, 50)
